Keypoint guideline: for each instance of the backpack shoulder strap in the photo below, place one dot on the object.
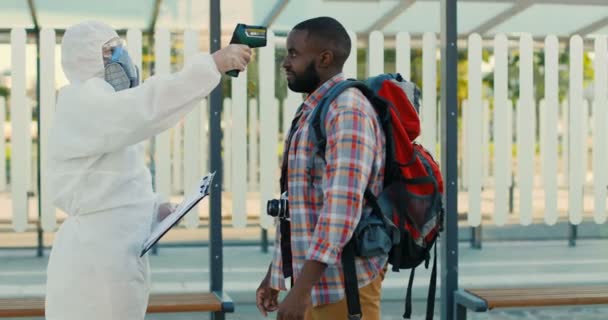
(351, 284)
(318, 133)
(368, 88)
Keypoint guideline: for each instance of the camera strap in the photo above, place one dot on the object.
(284, 224)
(292, 131)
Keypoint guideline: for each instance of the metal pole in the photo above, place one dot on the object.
(264, 240)
(449, 155)
(476, 237)
(40, 249)
(572, 234)
(215, 117)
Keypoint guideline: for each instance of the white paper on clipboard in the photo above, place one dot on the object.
(188, 204)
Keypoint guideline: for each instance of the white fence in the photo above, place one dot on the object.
(557, 183)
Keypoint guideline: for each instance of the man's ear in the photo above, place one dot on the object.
(326, 59)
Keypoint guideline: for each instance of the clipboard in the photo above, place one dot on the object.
(171, 220)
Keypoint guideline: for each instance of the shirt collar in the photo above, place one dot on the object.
(313, 99)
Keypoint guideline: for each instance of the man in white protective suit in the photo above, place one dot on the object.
(97, 172)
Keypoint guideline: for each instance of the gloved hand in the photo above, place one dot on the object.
(164, 210)
(232, 57)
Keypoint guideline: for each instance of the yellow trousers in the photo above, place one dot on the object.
(369, 297)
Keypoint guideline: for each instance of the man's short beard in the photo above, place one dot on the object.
(306, 82)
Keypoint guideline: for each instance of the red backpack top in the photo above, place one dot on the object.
(409, 163)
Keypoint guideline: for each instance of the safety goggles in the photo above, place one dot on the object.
(109, 47)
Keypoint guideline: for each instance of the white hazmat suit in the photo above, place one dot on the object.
(98, 176)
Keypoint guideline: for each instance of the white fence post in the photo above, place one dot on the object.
(464, 155)
(487, 172)
(600, 116)
(526, 135)
(134, 42)
(429, 92)
(177, 161)
(403, 55)
(585, 139)
(474, 132)
(549, 112)
(542, 107)
(239, 150)
(253, 136)
(204, 138)
(20, 131)
(268, 131)
(278, 143)
(575, 198)
(227, 139)
(565, 140)
(2, 145)
(350, 67)
(502, 139)
(375, 54)
(32, 184)
(192, 135)
(46, 115)
(162, 49)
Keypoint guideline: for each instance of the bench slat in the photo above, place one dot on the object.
(159, 303)
(25, 307)
(539, 297)
(184, 303)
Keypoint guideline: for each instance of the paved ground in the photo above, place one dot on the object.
(392, 311)
(497, 264)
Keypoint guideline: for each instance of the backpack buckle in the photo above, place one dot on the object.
(354, 317)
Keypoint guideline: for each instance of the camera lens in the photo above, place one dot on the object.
(277, 208)
(272, 208)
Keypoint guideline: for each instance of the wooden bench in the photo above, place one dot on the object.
(481, 300)
(159, 303)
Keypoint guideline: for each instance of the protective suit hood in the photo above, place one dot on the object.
(81, 55)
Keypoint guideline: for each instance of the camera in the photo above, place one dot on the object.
(278, 208)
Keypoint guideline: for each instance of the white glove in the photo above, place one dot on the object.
(164, 210)
(232, 57)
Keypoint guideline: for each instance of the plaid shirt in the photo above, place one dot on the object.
(326, 198)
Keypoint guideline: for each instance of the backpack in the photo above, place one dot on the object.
(407, 215)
